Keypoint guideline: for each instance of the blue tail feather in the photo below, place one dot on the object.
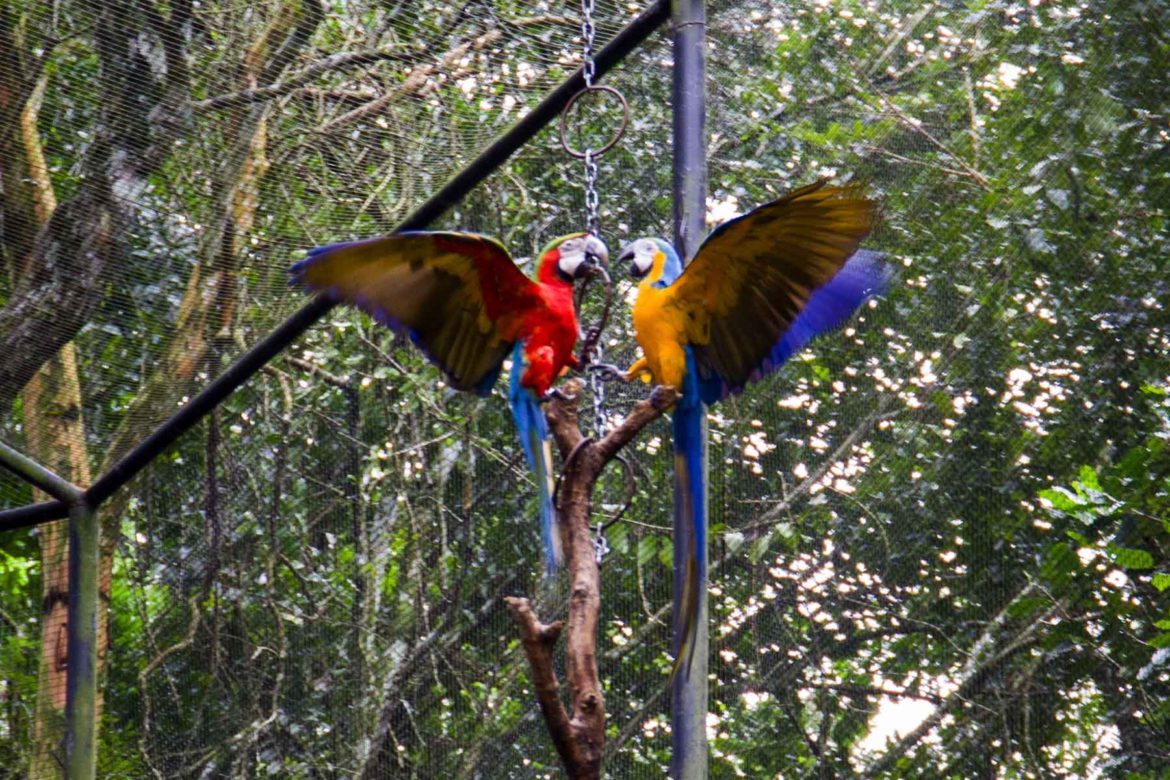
(690, 502)
(536, 440)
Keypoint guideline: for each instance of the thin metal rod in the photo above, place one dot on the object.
(37, 475)
(82, 644)
(254, 359)
(207, 399)
(688, 695)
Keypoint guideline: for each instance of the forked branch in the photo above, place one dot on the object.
(579, 732)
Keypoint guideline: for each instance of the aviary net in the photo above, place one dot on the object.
(939, 539)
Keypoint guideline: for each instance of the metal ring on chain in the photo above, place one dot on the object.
(621, 131)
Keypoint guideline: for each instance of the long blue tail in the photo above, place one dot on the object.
(537, 443)
(690, 506)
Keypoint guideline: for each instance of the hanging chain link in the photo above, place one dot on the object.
(587, 33)
(592, 199)
(593, 224)
(589, 71)
(597, 388)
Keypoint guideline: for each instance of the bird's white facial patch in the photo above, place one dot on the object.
(572, 254)
(645, 251)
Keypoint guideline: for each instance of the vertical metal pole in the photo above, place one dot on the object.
(80, 746)
(81, 685)
(688, 696)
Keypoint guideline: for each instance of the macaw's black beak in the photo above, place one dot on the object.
(584, 268)
(627, 256)
(596, 256)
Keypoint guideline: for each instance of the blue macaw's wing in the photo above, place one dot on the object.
(754, 276)
(536, 440)
(864, 276)
(459, 296)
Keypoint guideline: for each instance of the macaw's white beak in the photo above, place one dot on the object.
(627, 256)
(640, 260)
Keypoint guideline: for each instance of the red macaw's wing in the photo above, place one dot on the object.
(458, 295)
(754, 275)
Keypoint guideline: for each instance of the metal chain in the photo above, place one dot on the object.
(600, 545)
(587, 32)
(597, 388)
(592, 199)
(589, 70)
(593, 223)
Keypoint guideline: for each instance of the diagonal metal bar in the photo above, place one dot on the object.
(285, 334)
(37, 475)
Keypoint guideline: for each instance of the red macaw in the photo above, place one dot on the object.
(759, 288)
(464, 302)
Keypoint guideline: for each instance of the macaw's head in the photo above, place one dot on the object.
(652, 260)
(572, 257)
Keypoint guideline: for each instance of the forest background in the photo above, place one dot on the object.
(941, 538)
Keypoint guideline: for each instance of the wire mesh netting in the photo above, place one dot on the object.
(939, 536)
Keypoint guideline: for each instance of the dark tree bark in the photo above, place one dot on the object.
(580, 737)
(143, 111)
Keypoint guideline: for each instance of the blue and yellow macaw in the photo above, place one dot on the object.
(759, 288)
(463, 301)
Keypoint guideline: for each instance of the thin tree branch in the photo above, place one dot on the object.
(339, 61)
(539, 639)
(770, 517)
(919, 127)
(976, 672)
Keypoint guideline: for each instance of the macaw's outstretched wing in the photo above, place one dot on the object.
(458, 295)
(756, 275)
(864, 275)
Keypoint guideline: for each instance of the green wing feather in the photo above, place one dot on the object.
(459, 296)
(754, 275)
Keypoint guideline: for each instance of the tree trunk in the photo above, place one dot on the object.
(59, 259)
(71, 260)
(54, 436)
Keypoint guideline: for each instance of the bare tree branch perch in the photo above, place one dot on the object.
(578, 733)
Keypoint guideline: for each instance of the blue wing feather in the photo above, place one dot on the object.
(864, 275)
(536, 441)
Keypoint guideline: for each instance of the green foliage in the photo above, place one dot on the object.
(959, 506)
